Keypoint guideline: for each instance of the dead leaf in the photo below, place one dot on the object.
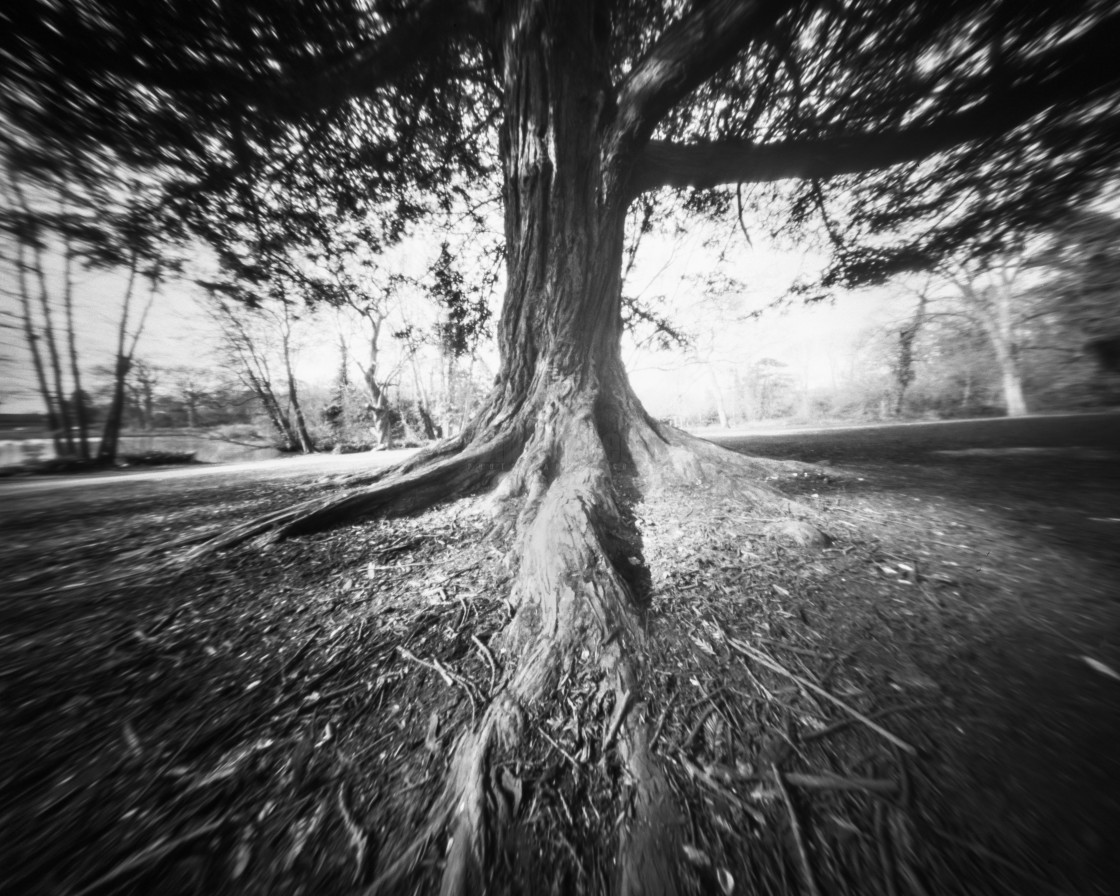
(241, 857)
(697, 856)
(1098, 666)
(431, 742)
(132, 740)
(512, 785)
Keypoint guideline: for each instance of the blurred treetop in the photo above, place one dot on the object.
(957, 123)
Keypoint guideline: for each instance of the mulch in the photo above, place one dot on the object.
(912, 709)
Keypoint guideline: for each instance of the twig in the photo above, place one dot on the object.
(434, 666)
(489, 658)
(802, 853)
(449, 677)
(559, 748)
(805, 650)
(715, 786)
(840, 726)
(357, 836)
(661, 720)
(153, 853)
(776, 667)
(616, 722)
(884, 850)
(835, 782)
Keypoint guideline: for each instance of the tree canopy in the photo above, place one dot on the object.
(979, 113)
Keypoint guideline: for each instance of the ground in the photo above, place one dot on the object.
(281, 719)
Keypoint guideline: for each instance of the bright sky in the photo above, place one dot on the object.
(812, 341)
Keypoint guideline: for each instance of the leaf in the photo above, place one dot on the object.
(241, 858)
(512, 785)
(1098, 666)
(132, 740)
(696, 856)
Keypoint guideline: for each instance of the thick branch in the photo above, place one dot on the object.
(387, 56)
(689, 53)
(1082, 72)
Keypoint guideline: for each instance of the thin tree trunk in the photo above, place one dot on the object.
(33, 347)
(71, 339)
(1012, 383)
(111, 432)
(423, 405)
(378, 396)
(61, 398)
(297, 423)
(904, 370)
(717, 397)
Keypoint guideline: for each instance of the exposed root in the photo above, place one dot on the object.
(578, 600)
(575, 604)
(651, 842)
(397, 492)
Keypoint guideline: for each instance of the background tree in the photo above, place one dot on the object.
(1080, 292)
(259, 345)
(60, 225)
(949, 122)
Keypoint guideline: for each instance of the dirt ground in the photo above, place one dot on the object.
(926, 705)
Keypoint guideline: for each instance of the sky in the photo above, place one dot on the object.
(669, 272)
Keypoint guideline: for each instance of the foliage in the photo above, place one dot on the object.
(984, 118)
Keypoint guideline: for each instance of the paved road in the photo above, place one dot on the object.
(852, 444)
(921, 441)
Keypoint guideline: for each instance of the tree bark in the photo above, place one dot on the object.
(562, 436)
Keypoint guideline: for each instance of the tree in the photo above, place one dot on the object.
(58, 223)
(259, 344)
(967, 114)
(1081, 286)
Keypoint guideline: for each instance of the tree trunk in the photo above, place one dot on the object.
(80, 414)
(36, 357)
(297, 424)
(904, 364)
(379, 407)
(114, 419)
(60, 392)
(1013, 398)
(564, 437)
(423, 403)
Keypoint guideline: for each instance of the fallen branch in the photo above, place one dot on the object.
(816, 689)
(559, 749)
(450, 678)
(835, 782)
(802, 852)
(890, 711)
(485, 651)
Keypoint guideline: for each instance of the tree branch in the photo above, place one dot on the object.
(1076, 74)
(385, 57)
(689, 53)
